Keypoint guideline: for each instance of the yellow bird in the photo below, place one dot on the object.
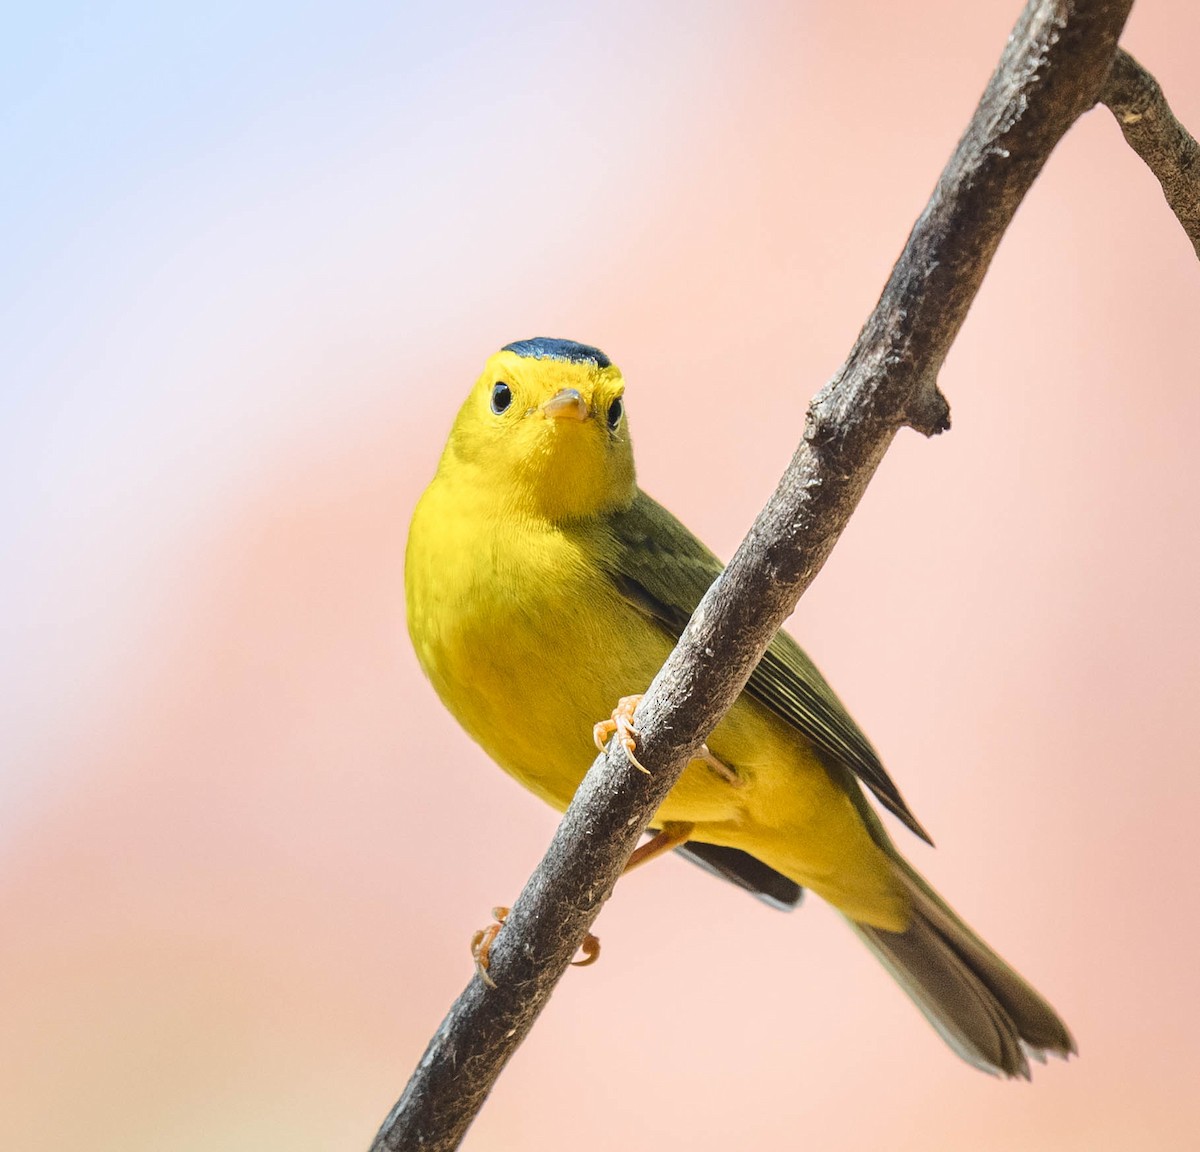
(543, 584)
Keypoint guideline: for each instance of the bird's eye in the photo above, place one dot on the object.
(501, 397)
(614, 412)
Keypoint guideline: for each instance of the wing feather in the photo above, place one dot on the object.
(664, 571)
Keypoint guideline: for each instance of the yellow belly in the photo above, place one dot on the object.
(528, 645)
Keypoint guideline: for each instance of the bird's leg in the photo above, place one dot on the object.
(622, 724)
(720, 767)
(482, 941)
(671, 835)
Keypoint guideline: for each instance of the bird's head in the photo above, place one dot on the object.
(545, 424)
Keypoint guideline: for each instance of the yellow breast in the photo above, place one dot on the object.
(526, 642)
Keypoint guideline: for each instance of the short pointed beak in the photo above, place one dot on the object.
(566, 405)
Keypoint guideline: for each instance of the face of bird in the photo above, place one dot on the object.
(550, 434)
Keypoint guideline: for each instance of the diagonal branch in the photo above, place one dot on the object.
(1134, 97)
(1051, 71)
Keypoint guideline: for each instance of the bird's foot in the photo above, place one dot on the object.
(622, 725)
(482, 941)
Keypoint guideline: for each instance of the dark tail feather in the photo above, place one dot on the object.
(986, 1012)
(772, 887)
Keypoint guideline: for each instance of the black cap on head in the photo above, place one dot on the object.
(547, 348)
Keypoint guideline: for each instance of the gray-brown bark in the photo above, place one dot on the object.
(1051, 71)
(1136, 100)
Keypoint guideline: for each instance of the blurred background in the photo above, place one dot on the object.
(252, 259)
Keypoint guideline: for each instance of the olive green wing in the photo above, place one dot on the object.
(664, 571)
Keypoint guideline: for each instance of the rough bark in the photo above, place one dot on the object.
(1148, 124)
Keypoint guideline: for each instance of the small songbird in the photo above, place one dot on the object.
(543, 584)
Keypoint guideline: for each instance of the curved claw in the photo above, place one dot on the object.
(622, 725)
(591, 951)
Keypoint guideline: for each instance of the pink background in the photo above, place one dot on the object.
(254, 264)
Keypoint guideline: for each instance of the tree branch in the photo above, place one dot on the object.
(1051, 71)
(1134, 97)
